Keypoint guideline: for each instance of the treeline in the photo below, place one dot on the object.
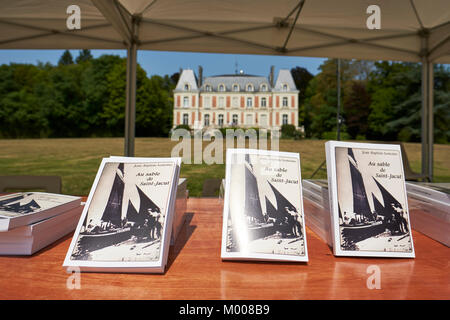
(85, 97)
(81, 98)
(379, 101)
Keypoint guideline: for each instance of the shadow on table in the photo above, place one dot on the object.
(183, 237)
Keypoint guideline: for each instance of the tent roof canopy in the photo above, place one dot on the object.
(410, 29)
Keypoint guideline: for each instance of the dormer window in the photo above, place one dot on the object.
(285, 87)
(249, 87)
(221, 88)
(235, 88)
(208, 88)
(263, 87)
(186, 87)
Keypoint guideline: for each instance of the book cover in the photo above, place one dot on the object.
(263, 208)
(27, 240)
(127, 221)
(369, 206)
(24, 208)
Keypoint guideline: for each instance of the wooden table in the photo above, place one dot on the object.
(196, 271)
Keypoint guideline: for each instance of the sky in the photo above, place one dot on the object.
(162, 63)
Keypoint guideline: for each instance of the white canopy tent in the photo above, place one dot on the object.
(411, 30)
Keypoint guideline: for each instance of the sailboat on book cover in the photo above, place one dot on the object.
(363, 222)
(278, 219)
(17, 204)
(112, 228)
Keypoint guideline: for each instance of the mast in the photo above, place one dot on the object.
(113, 210)
(252, 206)
(360, 201)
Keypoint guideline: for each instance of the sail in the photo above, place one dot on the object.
(271, 211)
(146, 204)
(379, 208)
(30, 206)
(388, 199)
(113, 210)
(132, 214)
(351, 154)
(6, 201)
(282, 203)
(360, 201)
(252, 206)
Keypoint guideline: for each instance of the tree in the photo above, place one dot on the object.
(301, 78)
(66, 58)
(83, 56)
(357, 109)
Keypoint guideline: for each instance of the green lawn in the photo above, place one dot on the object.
(77, 160)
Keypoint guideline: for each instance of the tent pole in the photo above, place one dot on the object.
(427, 111)
(427, 118)
(130, 108)
(338, 78)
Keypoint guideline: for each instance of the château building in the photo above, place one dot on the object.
(235, 100)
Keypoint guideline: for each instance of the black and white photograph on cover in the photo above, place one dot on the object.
(372, 203)
(18, 204)
(28, 203)
(265, 212)
(126, 216)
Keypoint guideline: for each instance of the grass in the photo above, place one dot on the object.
(77, 160)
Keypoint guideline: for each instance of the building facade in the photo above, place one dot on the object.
(236, 100)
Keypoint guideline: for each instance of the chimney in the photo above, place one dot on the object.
(200, 76)
(271, 75)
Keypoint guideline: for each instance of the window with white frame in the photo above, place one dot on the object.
(263, 87)
(185, 118)
(208, 88)
(221, 88)
(186, 87)
(185, 102)
(221, 102)
(206, 120)
(235, 119)
(249, 102)
(207, 102)
(285, 87)
(285, 101)
(235, 102)
(285, 119)
(249, 87)
(249, 119)
(263, 120)
(220, 120)
(235, 87)
(263, 102)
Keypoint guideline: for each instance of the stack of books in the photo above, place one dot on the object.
(128, 219)
(318, 215)
(30, 221)
(430, 209)
(180, 209)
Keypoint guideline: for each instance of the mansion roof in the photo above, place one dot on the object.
(188, 82)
